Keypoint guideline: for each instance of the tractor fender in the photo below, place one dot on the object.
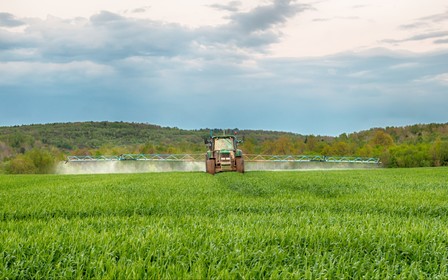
(238, 153)
(209, 155)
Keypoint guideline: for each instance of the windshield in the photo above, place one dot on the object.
(224, 144)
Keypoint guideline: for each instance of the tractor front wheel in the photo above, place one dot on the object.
(210, 166)
(239, 162)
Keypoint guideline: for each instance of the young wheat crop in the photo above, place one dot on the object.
(388, 223)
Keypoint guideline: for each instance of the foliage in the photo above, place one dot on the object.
(21, 165)
(374, 224)
(410, 146)
(34, 161)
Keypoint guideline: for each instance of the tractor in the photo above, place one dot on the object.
(223, 155)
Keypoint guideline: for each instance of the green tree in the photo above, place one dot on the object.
(21, 164)
(299, 147)
(282, 146)
(436, 152)
(408, 155)
(248, 146)
(339, 149)
(39, 161)
(147, 148)
(365, 151)
(311, 144)
(42, 159)
(267, 147)
(439, 152)
(382, 139)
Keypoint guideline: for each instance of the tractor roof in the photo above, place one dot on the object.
(224, 136)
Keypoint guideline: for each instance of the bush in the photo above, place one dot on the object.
(21, 164)
(410, 156)
(36, 161)
(43, 160)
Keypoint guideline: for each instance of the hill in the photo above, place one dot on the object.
(94, 135)
(408, 146)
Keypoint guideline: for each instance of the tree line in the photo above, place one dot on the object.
(36, 148)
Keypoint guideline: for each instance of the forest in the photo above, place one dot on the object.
(34, 149)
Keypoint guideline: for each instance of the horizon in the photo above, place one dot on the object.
(238, 128)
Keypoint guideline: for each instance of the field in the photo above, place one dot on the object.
(382, 224)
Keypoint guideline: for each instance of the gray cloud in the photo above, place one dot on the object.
(105, 17)
(9, 20)
(141, 9)
(111, 67)
(232, 6)
(414, 25)
(430, 35)
(436, 17)
(254, 29)
(341, 93)
(103, 37)
(321, 19)
(265, 17)
(441, 41)
(433, 26)
(419, 37)
(108, 36)
(427, 21)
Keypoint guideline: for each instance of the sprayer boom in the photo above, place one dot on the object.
(163, 157)
(246, 157)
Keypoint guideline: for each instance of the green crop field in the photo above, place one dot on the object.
(382, 224)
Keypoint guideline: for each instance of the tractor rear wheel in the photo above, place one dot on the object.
(210, 166)
(239, 162)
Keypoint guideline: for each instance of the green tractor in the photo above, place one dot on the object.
(223, 155)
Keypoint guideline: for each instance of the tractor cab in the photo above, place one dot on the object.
(223, 154)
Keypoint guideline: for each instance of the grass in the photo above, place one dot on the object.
(383, 224)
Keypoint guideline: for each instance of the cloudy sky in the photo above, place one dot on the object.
(312, 67)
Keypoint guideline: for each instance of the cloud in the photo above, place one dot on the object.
(254, 30)
(141, 10)
(414, 25)
(321, 19)
(103, 37)
(113, 67)
(404, 65)
(232, 6)
(430, 35)
(109, 36)
(9, 20)
(265, 17)
(439, 78)
(441, 41)
(436, 17)
(432, 27)
(427, 21)
(105, 17)
(419, 37)
(340, 93)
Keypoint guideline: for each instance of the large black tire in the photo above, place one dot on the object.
(239, 162)
(210, 166)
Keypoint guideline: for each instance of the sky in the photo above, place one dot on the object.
(322, 67)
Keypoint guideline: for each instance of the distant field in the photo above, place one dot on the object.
(382, 223)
